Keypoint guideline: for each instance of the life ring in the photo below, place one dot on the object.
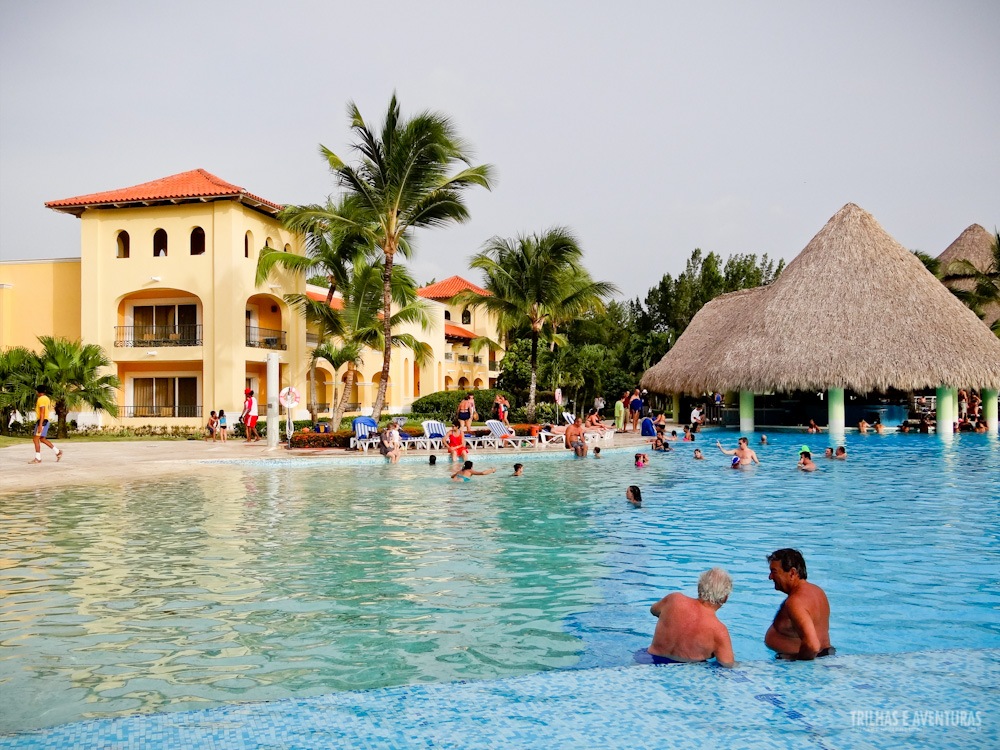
(289, 398)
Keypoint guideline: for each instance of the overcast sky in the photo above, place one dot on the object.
(648, 128)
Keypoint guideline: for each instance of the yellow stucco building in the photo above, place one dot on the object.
(165, 284)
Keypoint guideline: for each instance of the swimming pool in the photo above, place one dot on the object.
(238, 583)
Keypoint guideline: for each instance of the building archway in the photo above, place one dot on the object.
(449, 384)
(265, 318)
(376, 380)
(478, 383)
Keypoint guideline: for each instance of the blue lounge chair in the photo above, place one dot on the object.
(365, 433)
(434, 434)
(501, 435)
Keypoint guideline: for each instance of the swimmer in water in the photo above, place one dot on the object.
(634, 495)
(597, 452)
(828, 453)
(805, 459)
(801, 627)
(697, 455)
(737, 463)
(841, 453)
(640, 460)
(518, 470)
(466, 473)
(763, 439)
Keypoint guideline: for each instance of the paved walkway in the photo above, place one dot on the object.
(99, 462)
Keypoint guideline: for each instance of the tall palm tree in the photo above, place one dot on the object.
(71, 370)
(401, 182)
(533, 280)
(331, 250)
(978, 288)
(358, 325)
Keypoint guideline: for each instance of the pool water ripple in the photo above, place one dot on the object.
(243, 583)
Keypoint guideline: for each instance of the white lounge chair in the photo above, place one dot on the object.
(434, 434)
(501, 435)
(546, 438)
(365, 433)
(569, 418)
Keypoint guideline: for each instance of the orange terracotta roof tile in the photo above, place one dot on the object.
(187, 185)
(458, 332)
(336, 303)
(449, 288)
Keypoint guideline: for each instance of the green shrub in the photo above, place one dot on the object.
(446, 403)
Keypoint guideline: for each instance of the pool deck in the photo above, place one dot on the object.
(941, 699)
(101, 462)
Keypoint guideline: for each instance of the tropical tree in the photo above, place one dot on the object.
(331, 251)
(532, 280)
(977, 288)
(402, 181)
(71, 370)
(357, 326)
(17, 393)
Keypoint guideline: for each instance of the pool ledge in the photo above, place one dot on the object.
(931, 699)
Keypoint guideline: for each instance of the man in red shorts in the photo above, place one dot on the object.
(249, 416)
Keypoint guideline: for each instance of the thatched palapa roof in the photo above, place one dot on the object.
(975, 245)
(854, 310)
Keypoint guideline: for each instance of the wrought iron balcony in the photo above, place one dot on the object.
(353, 406)
(319, 408)
(463, 357)
(266, 338)
(159, 412)
(494, 366)
(172, 335)
(449, 357)
(477, 360)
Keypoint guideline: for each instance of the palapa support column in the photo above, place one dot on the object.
(990, 409)
(676, 407)
(836, 420)
(947, 411)
(746, 411)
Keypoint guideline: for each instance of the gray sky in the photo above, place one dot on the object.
(649, 128)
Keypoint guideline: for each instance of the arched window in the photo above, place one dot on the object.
(123, 244)
(447, 315)
(247, 244)
(160, 244)
(466, 317)
(197, 241)
(288, 248)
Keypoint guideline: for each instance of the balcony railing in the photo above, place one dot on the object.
(463, 357)
(173, 335)
(159, 412)
(477, 360)
(494, 366)
(266, 338)
(449, 357)
(319, 408)
(312, 339)
(353, 406)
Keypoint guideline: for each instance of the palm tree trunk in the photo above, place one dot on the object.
(61, 413)
(534, 376)
(387, 333)
(338, 413)
(312, 391)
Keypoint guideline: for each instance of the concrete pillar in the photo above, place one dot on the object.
(947, 410)
(835, 410)
(676, 407)
(990, 409)
(746, 412)
(273, 386)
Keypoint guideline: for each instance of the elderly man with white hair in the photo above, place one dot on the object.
(688, 630)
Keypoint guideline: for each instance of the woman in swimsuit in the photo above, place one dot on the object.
(635, 409)
(466, 473)
(456, 442)
(465, 409)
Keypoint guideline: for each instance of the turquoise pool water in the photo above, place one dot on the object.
(240, 583)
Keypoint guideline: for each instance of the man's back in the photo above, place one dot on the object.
(688, 630)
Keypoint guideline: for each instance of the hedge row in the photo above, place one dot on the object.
(446, 402)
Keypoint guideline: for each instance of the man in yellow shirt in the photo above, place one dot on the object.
(42, 408)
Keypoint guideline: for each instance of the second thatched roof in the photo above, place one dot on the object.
(974, 245)
(854, 310)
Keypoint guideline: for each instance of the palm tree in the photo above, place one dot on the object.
(400, 183)
(534, 280)
(977, 288)
(17, 392)
(331, 250)
(71, 371)
(358, 325)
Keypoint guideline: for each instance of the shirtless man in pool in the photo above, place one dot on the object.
(801, 627)
(746, 454)
(688, 629)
